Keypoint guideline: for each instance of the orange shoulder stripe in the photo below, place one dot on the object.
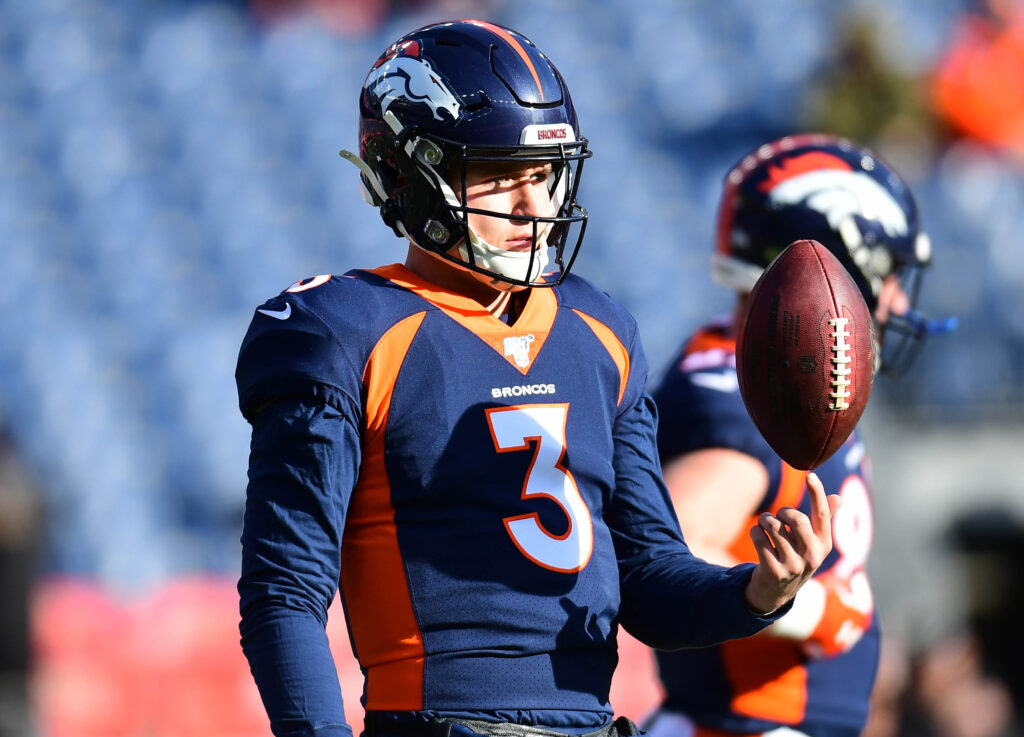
(706, 340)
(613, 345)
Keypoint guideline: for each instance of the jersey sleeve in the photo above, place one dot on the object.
(670, 598)
(296, 356)
(296, 391)
(303, 465)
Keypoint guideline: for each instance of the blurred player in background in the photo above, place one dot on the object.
(464, 441)
(813, 669)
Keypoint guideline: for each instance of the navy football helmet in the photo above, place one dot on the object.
(828, 189)
(453, 94)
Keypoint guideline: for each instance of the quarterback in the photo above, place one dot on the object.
(461, 444)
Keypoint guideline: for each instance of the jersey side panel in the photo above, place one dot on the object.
(387, 639)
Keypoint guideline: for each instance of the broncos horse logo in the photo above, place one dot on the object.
(840, 195)
(406, 77)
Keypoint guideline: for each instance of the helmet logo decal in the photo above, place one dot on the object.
(402, 75)
(828, 185)
(792, 166)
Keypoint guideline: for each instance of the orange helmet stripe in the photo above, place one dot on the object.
(511, 41)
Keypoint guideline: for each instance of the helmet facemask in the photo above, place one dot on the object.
(436, 220)
(903, 334)
(551, 231)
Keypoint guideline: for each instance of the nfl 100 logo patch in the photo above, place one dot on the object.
(518, 347)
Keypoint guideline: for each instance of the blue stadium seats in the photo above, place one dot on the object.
(167, 166)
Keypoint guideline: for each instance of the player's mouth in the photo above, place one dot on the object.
(519, 244)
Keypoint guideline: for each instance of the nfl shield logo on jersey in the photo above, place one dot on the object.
(519, 348)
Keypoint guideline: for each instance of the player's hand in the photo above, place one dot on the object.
(790, 547)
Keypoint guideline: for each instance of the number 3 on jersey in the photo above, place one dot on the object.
(543, 426)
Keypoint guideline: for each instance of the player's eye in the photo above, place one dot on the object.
(505, 180)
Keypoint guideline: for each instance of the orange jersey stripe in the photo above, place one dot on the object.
(767, 677)
(516, 46)
(387, 637)
(706, 340)
(791, 489)
(614, 347)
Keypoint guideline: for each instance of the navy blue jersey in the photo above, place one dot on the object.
(487, 495)
(754, 685)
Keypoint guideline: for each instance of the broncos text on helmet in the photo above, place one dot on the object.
(829, 189)
(453, 94)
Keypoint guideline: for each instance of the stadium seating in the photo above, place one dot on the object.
(166, 166)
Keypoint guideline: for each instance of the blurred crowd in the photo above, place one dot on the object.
(166, 166)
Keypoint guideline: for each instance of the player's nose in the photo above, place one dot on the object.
(532, 199)
(892, 300)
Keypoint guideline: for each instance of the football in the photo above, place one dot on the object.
(805, 354)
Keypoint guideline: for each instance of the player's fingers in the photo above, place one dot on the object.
(780, 537)
(821, 509)
(769, 522)
(799, 527)
(766, 553)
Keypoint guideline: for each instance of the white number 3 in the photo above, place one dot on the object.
(543, 425)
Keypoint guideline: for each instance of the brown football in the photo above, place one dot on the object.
(805, 354)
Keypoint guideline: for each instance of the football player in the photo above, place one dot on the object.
(463, 443)
(811, 672)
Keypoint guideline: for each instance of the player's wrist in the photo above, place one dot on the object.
(764, 600)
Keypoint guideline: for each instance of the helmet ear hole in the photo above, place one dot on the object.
(391, 214)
